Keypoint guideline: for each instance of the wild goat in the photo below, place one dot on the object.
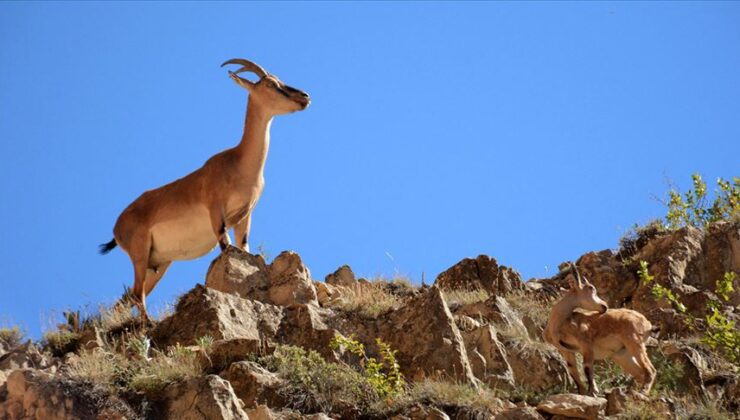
(619, 334)
(185, 219)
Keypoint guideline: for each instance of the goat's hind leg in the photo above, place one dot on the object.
(638, 351)
(139, 253)
(572, 364)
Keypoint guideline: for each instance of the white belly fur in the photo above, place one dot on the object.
(183, 238)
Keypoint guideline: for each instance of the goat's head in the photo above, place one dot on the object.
(273, 95)
(585, 293)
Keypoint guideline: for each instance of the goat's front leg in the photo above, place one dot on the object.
(588, 369)
(218, 223)
(241, 232)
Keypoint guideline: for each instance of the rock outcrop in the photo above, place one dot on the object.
(284, 282)
(573, 406)
(483, 273)
(205, 398)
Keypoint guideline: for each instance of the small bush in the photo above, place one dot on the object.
(98, 367)
(693, 208)
(61, 342)
(638, 236)
(669, 374)
(385, 375)
(10, 337)
(317, 385)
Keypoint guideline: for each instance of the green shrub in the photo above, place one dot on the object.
(721, 333)
(693, 208)
(384, 376)
(315, 384)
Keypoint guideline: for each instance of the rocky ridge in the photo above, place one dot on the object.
(477, 328)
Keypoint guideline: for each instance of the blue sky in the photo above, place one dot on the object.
(533, 132)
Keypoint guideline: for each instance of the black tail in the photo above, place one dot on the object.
(105, 248)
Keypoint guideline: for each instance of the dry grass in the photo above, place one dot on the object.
(465, 297)
(464, 399)
(526, 305)
(60, 342)
(11, 337)
(369, 300)
(98, 366)
(175, 364)
(144, 375)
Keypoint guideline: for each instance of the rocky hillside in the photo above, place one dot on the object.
(268, 341)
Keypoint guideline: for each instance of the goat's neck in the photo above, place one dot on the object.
(255, 141)
(560, 313)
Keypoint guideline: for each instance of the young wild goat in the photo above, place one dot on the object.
(185, 219)
(619, 334)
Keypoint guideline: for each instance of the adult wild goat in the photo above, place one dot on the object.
(185, 219)
(619, 334)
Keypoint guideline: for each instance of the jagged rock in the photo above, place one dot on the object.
(302, 325)
(327, 294)
(284, 282)
(263, 412)
(254, 385)
(693, 364)
(465, 323)
(203, 398)
(519, 413)
(495, 309)
(290, 281)
(205, 311)
(616, 401)
(482, 272)
(536, 365)
(342, 277)
(26, 355)
(239, 272)
(225, 352)
(436, 346)
(488, 357)
(572, 405)
(36, 394)
(614, 281)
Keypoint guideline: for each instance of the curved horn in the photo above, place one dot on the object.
(577, 274)
(247, 66)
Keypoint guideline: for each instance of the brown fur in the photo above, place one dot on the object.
(619, 334)
(188, 217)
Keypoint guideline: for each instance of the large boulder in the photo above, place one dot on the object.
(290, 281)
(572, 405)
(254, 385)
(342, 277)
(487, 357)
(204, 398)
(303, 326)
(207, 312)
(482, 272)
(284, 282)
(427, 339)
